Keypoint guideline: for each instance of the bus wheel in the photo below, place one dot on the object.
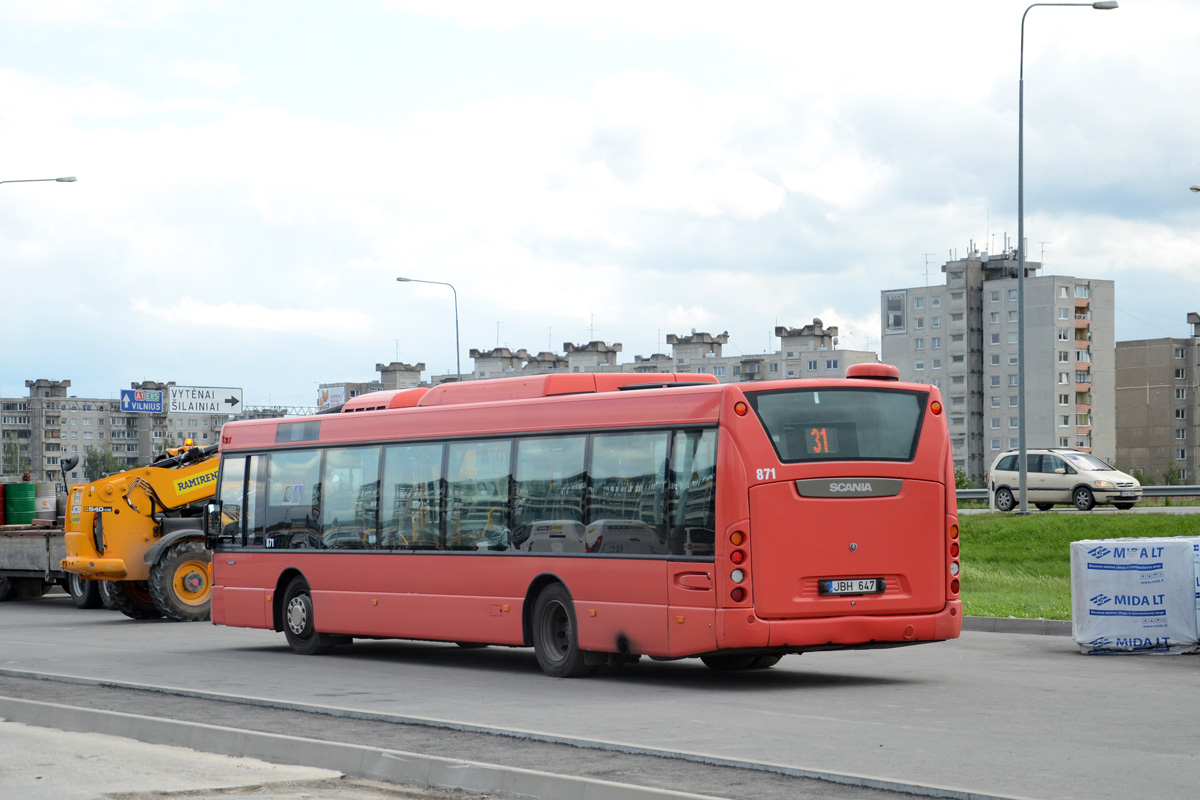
(730, 663)
(765, 662)
(85, 593)
(555, 640)
(132, 598)
(181, 582)
(302, 637)
(1005, 500)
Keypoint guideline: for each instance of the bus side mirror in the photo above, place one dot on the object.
(212, 524)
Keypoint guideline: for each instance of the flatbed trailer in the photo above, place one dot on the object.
(31, 561)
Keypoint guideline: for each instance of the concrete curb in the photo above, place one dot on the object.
(415, 769)
(392, 766)
(1045, 627)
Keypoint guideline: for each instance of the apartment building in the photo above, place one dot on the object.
(962, 337)
(39, 431)
(1158, 411)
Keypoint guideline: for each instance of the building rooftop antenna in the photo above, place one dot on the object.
(927, 255)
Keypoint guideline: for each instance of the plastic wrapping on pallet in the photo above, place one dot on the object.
(1136, 595)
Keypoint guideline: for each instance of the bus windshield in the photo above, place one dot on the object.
(841, 424)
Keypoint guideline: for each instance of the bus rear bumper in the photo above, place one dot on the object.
(741, 630)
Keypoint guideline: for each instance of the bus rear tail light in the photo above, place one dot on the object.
(954, 585)
(738, 556)
(737, 538)
(954, 549)
(738, 594)
(737, 576)
(740, 408)
(936, 408)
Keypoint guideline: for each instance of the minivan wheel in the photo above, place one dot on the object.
(1082, 498)
(1004, 500)
(1044, 506)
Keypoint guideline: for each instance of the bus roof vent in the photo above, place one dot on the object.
(561, 383)
(877, 372)
(378, 401)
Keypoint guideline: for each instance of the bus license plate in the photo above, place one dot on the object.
(851, 586)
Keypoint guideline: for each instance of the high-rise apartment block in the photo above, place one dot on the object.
(1158, 431)
(963, 338)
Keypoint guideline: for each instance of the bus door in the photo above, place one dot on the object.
(691, 514)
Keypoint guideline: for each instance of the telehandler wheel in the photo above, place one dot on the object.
(181, 582)
(132, 598)
(106, 596)
(85, 593)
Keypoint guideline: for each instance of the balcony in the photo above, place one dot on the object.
(1082, 322)
(1082, 302)
(1082, 344)
(1083, 408)
(1083, 430)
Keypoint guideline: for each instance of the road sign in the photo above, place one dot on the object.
(149, 401)
(205, 400)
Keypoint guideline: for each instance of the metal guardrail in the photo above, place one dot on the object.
(1147, 491)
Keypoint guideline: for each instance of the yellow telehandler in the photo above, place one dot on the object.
(141, 532)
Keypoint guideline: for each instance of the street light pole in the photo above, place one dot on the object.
(457, 349)
(1023, 508)
(70, 179)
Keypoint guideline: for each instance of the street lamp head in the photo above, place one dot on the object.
(404, 280)
(66, 180)
(1107, 5)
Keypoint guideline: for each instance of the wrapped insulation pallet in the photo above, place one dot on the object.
(1136, 595)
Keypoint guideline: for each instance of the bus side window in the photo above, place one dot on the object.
(548, 483)
(693, 503)
(350, 492)
(293, 500)
(411, 497)
(231, 495)
(627, 482)
(477, 481)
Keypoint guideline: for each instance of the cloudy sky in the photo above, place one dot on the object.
(253, 176)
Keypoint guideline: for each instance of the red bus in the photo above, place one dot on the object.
(598, 518)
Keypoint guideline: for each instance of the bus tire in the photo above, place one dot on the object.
(765, 662)
(555, 635)
(84, 593)
(298, 622)
(730, 663)
(132, 598)
(7, 590)
(181, 582)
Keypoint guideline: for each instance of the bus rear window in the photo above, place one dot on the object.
(841, 424)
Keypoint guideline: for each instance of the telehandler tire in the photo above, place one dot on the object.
(85, 593)
(181, 582)
(132, 598)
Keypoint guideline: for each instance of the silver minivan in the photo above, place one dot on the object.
(1060, 475)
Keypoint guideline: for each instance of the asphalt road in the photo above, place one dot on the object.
(998, 714)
